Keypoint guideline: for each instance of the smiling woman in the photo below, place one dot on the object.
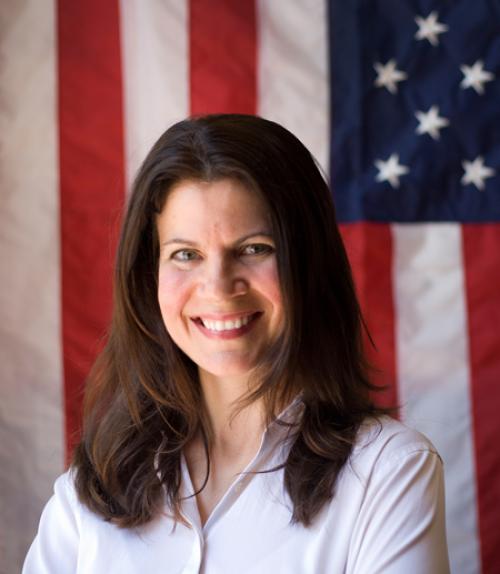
(228, 423)
(218, 288)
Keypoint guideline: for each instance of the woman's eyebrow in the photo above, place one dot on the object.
(179, 240)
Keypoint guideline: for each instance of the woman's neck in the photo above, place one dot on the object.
(234, 432)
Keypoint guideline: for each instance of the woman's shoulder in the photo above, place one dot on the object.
(65, 482)
(64, 500)
(392, 494)
(386, 441)
(64, 504)
(64, 488)
(55, 546)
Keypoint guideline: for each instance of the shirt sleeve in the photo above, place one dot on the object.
(55, 548)
(401, 524)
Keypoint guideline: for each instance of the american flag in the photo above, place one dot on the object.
(399, 102)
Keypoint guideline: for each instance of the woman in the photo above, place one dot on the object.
(228, 423)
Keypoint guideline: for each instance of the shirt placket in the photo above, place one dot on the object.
(191, 514)
(268, 446)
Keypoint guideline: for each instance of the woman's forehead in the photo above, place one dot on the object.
(224, 204)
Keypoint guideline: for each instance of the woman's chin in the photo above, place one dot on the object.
(227, 369)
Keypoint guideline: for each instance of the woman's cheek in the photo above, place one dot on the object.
(269, 281)
(173, 287)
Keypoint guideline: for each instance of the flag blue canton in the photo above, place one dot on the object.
(415, 110)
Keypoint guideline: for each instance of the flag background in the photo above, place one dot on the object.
(85, 89)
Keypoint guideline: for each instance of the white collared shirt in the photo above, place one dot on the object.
(387, 516)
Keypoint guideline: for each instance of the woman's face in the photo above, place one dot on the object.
(218, 288)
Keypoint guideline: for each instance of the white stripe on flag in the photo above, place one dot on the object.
(293, 70)
(433, 370)
(154, 37)
(32, 444)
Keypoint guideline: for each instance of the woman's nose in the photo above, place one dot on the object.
(221, 280)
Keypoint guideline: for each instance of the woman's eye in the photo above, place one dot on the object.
(257, 249)
(184, 255)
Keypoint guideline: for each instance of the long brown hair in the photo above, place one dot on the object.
(143, 400)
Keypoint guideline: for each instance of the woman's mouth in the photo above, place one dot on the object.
(227, 328)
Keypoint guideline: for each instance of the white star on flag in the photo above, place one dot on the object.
(429, 28)
(430, 122)
(475, 76)
(390, 170)
(388, 76)
(476, 172)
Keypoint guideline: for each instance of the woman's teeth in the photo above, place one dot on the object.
(226, 325)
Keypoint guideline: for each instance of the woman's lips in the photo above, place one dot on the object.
(228, 333)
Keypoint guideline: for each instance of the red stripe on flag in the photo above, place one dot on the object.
(223, 56)
(369, 247)
(482, 276)
(91, 183)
